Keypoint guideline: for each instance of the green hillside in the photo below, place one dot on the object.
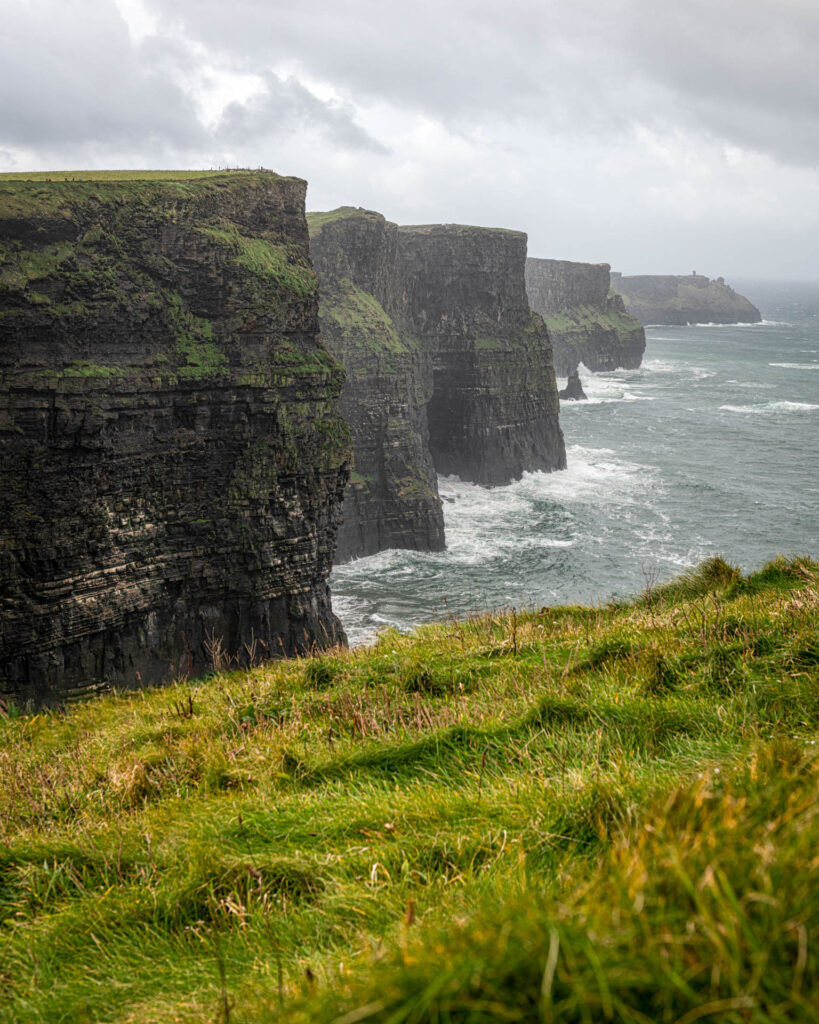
(568, 814)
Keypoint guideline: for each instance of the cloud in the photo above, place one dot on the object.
(285, 106)
(742, 70)
(76, 77)
(631, 131)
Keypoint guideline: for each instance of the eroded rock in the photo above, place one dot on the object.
(172, 460)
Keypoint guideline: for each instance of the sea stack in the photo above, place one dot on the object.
(573, 392)
(172, 458)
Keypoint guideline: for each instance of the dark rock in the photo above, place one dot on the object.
(587, 322)
(494, 410)
(447, 368)
(392, 498)
(172, 461)
(676, 300)
(573, 392)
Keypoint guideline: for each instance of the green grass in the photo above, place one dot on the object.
(565, 814)
(285, 265)
(580, 320)
(360, 332)
(316, 219)
(124, 175)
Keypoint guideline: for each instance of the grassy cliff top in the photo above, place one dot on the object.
(570, 814)
(317, 219)
(125, 175)
(46, 193)
(457, 229)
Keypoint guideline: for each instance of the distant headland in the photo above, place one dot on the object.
(681, 300)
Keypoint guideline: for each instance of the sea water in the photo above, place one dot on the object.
(710, 447)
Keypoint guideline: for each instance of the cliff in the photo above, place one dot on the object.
(494, 410)
(587, 323)
(391, 500)
(172, 461)
(694, 299)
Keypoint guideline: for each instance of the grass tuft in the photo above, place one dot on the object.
(565, 814)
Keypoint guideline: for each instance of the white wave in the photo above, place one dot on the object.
(612, 386)
(771, 407)
(761, 323)
(591, 472)
(677, 367)
(797, 366)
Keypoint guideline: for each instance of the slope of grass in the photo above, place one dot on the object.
(123, 175)
(571, 814)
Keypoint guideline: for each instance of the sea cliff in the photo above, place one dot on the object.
(674, 300)
(172, 459)
(448, 370)
(391, 500)
(494, 410)
(587, 322)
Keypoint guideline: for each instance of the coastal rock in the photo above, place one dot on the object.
(587, 322)
(675, 300)
(172, 460)
(573, 392)
(391, 500)
(493, 414)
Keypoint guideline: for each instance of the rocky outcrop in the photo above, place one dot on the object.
(494, 410)
(674, 300)
(392, 499)
(448, 371)
(587, 322)
(573, 392)
(172, 461)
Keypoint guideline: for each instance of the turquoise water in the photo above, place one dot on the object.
(709, 448)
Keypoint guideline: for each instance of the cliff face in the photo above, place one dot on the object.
(494, 410)
(695, 299)
(587, 322)
(172, 461)
(392, 498)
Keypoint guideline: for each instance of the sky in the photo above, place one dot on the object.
(659, 137)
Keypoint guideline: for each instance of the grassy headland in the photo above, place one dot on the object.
(570, 814)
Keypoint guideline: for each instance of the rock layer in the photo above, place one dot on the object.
(573, 392)
(392, 498)
(172, 461)
(448, 370)
(587, 322)
(494, 410)
(673, 300)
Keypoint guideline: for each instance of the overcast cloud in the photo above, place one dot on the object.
(657, 137)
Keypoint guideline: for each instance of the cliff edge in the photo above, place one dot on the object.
(391, 500)
(675, 300)
(494, 410)
(587, 322)
(172, 460)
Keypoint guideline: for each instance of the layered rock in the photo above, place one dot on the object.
(573, 392)
(587, 322)
(172, 461)
(494, 409)
(392, 498)
(675, 300)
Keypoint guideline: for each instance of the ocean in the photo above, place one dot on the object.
(710, 447)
